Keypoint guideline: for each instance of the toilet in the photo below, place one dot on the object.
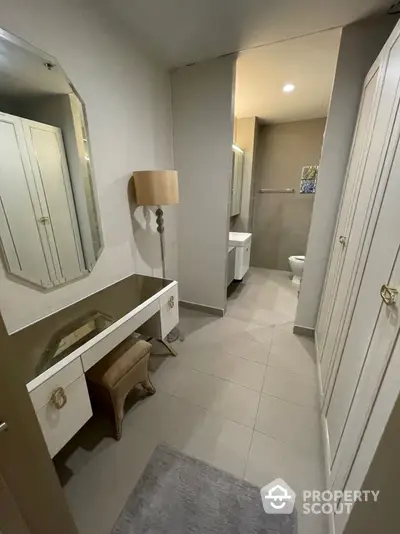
(297, 264)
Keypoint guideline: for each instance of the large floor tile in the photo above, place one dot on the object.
(210, 437)
(291, 387)
(293, 353)
(97, 494)
(270, 458)
(233, 368)
(217, 395)
(216, 331)
(252, 344)
(291, 423)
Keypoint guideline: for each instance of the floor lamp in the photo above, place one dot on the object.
(158, 188)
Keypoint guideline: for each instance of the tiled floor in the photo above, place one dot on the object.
(241, 395)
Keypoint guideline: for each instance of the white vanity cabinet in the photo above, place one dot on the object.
(59, 394)
(62, 405)
(242, 243)
(38, 226)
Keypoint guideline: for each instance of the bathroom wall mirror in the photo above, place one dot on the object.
(237, 180)
(50, 230)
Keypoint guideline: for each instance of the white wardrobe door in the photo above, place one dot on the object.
(330, 312)
(18, 226)
(49, 165)
(380, 320)
(364, 301)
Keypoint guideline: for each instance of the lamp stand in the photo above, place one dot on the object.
(174, 334)
(160, 230)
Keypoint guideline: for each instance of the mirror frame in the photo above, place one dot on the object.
(47, 58)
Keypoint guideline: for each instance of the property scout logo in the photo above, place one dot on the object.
(279, 498)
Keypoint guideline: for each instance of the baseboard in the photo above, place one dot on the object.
(220, 312)
(325, 434)
(304, 331)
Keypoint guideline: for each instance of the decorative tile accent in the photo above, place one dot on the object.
(308, 182)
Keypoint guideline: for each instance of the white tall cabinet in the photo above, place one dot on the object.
(359, 320)
(38, 226)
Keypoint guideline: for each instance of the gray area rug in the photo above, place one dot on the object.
(177, 494)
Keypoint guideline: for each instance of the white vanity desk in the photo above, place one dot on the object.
(62, 347)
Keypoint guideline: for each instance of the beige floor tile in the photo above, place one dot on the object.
(210, 437)
(262, 334)
(166, 372)
(245, 344)
(293, 353)
(97, 494)
(219, 330)
(291, 423)
(270, 458)
(217, 395)
(233, 368)
(291, 387)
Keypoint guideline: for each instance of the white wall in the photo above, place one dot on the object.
(359, 46)
(127, 99)
(202, 107)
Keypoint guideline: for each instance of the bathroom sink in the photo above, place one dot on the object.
(238, 239)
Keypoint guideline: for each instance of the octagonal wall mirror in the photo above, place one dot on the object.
(50, 231)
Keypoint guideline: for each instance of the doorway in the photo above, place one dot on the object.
(282, 98)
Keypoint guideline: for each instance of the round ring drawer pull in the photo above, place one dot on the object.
(58, 398)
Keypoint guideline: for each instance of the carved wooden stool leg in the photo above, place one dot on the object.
(148, 386)
(118, 407)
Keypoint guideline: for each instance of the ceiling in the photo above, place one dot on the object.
(23, 73)
(179, 32)
(307, 62)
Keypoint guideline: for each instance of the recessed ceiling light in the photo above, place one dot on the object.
(288, 88)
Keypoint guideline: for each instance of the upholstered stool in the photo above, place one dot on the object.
(118, 373)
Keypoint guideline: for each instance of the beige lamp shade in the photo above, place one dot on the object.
(156, 188)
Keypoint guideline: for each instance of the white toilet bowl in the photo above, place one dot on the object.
(296, 264)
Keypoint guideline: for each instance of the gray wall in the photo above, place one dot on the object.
(359, 46)
(202, 110)
(282, 221)
(128, 104)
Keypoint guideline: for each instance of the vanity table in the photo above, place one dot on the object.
(56, 351)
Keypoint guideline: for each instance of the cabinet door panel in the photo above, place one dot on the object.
(379, 323)
(329, 316)
(20, 237)
(52, 177)
(362, 268)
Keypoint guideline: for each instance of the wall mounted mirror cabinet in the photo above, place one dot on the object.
(49, 223)
(237, 180)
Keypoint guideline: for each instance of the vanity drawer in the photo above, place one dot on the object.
(63, 378)
(121, 330)
(61, 418)
(169, 310)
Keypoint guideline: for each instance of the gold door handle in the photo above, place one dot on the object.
(389, 295)
(342, 240)
(58, 398)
